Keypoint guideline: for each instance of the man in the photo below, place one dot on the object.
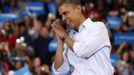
(88, 49)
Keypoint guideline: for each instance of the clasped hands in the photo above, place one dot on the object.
(58, 29)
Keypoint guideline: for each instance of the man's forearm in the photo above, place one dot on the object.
(58, 61)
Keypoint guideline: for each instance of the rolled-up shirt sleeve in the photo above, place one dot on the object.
(93, 41)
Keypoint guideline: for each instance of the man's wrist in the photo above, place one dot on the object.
(65, 37)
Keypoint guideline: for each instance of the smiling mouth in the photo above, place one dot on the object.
(68, 21)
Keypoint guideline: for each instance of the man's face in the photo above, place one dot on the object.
(70, 14)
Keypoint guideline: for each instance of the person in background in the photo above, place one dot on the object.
(131, 61)
(40, 69)
(7, 35)
(41, 45)
(123, 64)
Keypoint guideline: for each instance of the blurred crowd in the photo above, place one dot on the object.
(28, 46)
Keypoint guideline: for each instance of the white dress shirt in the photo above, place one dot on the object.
(91, 54)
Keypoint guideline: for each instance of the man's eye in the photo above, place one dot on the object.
(65, 13)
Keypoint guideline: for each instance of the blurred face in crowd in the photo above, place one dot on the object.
(44, 32)
(26, 19)
(71, 14)
(37, 62)
(7, 26)
(131, 21)
(22, 29)
(1, 46)
(132, 55)
(125, 56)
(18, 65)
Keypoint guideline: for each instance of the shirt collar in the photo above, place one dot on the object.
(85, 24)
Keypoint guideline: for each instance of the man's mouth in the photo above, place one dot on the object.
(68, 21)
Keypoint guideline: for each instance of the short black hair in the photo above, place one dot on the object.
(72, 2)
(42, 19)
(22, 24)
